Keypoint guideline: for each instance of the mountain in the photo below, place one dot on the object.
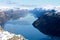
(49, 24)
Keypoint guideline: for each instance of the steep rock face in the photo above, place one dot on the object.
(49, 24)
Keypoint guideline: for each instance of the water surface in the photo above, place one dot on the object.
(24, 27)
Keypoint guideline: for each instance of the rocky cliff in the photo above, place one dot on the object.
(49, 24)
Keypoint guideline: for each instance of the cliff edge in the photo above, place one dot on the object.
(5, 35)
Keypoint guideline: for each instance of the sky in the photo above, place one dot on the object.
(29, 3)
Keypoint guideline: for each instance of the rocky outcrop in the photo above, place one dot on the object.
(49, 24)
(5, 35)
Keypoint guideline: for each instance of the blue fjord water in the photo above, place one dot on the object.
(24, 27)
